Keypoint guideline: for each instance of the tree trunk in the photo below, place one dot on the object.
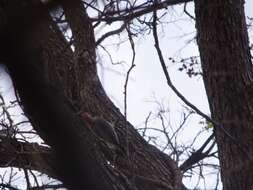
(228, 76)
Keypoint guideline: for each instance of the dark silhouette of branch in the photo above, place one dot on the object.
(111, 33)
(198, 155)
(135, 12)
(37, 157)
(3, 185)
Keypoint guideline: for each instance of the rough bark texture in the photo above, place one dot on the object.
(55, 83)
(228, 76)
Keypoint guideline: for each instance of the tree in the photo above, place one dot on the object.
(56, 80)
(227, 72)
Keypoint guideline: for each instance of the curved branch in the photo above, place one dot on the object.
(32, 155)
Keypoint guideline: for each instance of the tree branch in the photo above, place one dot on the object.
(129, 14)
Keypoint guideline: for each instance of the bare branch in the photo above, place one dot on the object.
(197, 155)
(134, 12)
(126, 83)
(111, 33)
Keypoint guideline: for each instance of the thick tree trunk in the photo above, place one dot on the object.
(228, 77)
(41, 63)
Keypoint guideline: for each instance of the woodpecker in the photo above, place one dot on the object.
(104, 130)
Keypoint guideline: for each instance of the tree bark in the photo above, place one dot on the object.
(228, 76)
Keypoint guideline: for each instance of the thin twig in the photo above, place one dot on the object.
(187, 13)
(126, 84)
